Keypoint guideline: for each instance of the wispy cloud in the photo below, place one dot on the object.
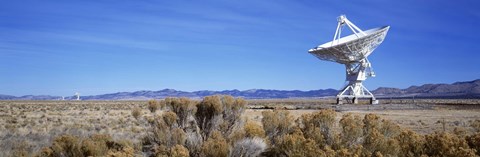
(196, 44)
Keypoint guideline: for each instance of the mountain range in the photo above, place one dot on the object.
(467, 89)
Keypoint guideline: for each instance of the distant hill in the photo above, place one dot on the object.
(30, 97)
(249, 94)
(469, 89)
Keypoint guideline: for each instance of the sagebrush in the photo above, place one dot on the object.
(214, 126)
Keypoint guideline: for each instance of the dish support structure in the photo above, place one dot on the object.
(356, 72)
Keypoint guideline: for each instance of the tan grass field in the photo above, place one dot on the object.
(420, 121)
(34, 124)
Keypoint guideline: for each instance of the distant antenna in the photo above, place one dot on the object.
(77, 95)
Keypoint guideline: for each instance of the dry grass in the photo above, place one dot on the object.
(420, 121)
(28, 126)
(425, 116)
(37, 123)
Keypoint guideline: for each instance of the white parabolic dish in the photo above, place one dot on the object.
(351, 48)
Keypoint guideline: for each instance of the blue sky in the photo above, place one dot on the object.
(104, 46)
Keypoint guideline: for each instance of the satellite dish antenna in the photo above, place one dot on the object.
(77, 95)
(352, 51)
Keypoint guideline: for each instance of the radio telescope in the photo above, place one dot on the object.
(77, 95)
(352, 51)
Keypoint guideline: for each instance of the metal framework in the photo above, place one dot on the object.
(352, 51)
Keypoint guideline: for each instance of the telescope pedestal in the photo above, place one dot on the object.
(355, 92)
(357, 72)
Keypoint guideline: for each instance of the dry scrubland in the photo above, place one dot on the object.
(225, 126)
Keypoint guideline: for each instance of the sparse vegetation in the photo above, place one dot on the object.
(248, 147)
(219, 126)
(136, 112)
(216, 145)
(95, 145)
(476, 125)
(277, 123)
(153, 105)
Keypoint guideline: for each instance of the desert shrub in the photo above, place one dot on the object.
(19, 153)
(20, 149)
(214, 127)
(183, 107)
(389, 129)
(208, 114)
(248, 147)
(175, 132)
(233, 110)
(376, 143)
(351, 130)
(344, 153)
(379, 136)
(321, 122)
(194, 143)
(315, 133)
(125, 151)
(178, 137)
(136, 112)
(474, 142)
(446, 144)
(411, 144)
(253, 130)
(45, 152)
(385, 127)
(277, 123)
(215, 146)
(179, 151)
(95, 145)
(160, 151)
(476, 125)
(295, 145)
(157, 131)
(162, 104)
(370, 122)
(220, 113)
(170, 118)
(163, 132)
(174, 151)
(460, 132)
(153, 105)
(66, 145)
(249, 130)
(355, 151)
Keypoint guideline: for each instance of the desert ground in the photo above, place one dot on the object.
(423, 116)
(34, 124)
(420, 121)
